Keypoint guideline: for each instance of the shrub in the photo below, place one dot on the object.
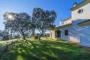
(35, 36)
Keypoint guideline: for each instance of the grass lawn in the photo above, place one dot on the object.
(3, 43)
(46, 50)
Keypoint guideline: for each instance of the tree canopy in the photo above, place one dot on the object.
(41, 20)
(19, 22)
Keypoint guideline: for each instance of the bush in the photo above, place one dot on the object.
(35, 37)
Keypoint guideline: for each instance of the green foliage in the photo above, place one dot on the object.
(43, 19)
(17, 36)
(47, 50)
(5, 35)
(20, 22)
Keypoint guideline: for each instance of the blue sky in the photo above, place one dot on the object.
(60, 6)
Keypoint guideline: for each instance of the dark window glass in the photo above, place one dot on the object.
(80, 11)
(66, 32)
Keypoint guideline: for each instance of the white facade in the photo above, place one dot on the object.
(84, 15)
(76, 33)
(52, 34)
(69, 20)
(63, 36)
(73, 32)
(85, 35)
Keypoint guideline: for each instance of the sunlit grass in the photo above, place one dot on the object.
(3, 43)
(47, 50)
(19, 57)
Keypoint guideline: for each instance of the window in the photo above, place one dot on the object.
(66, 32)
(80, 11)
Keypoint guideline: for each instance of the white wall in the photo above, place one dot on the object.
(84, 15)
(85, 35)
(73, 32)
(63, 36)
(68, 21)
(77, 18)
(52, 34)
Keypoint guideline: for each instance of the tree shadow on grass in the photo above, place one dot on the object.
(65, 52)
(45, 50)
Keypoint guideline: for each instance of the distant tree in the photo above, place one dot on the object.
(1, 35)
(43, 19)
(8, 28)
(4, 34)
(18, 22)
(17, 36)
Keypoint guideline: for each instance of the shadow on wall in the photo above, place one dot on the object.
(74, 31)
(85, 35)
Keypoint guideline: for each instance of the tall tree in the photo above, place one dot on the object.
(19, 22)
(43, 19)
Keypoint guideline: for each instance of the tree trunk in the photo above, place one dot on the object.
(33, 32)
(11, 34)
(23, 35)
(40, 36)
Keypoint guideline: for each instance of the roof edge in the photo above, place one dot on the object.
(67, 18)
(63, 26)
(86, 22)
(80, 5)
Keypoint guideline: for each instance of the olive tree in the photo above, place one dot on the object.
(43, 19)
(18, 22)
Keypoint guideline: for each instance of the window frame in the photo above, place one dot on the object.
(66, 32)
(80, 11)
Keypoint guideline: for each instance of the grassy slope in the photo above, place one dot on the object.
(46, 50)
(4, 43)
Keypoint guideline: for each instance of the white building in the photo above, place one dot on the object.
(77, 27)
